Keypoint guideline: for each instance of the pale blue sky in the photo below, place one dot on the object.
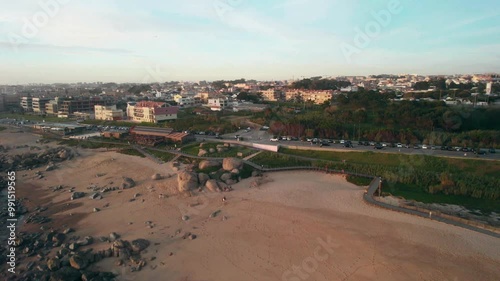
(149, 40)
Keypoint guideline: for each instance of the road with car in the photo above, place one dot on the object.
(263, 137)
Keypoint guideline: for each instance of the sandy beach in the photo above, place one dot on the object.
(297, 226)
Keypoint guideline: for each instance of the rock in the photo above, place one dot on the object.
(192, 237)
(174, 164)
(235, 171)
(212, 185)
(78, 262)
(231, 182)
(187, 181)
(50, 167)
(156, 177)
(227, 144)
(95, 196)
(205, 164)
(68, 230)
(77, 195)
(138, 245)
(113, 236)
(53, 264)
(58, 238)
(185, 218)
(87, 240)
(211, 150)
(226, 176)
(202, 144)
(63, 154)
(66, 274)
(73, 246)
(203, 178)
(221, 149)
(214, 214)
(232, 163)
(95, 210)
(202, 152)
(127, 183)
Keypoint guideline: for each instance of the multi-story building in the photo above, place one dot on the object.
(317, 97)
(27, 103)
(52, 107)
(39, 105)
(151, 112)
(271, 95)
(184, 101)
(218, 104)
(82, 104)
(108, 113)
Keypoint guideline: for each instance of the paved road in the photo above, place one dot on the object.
(263, 137)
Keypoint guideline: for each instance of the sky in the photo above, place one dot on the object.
(51, 41)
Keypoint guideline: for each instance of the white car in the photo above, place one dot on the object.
(274, 139)
(425, 146)
(399, 145)
(342, 141)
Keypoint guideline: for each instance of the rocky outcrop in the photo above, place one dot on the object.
(127, 183)
(187, 181)
(231, 163)
(205, 164)
(212, 185)
(203, 178)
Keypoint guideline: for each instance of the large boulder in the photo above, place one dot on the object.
(139, 244)
(187, 181)
(203, 178)
(78, 262)
(202, 152)
(231, 163)
(127, 183)
(212, 185)
(205, 164)
(156, 177)
(225, 177)
(53, 264)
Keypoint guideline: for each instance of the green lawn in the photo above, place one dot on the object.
(359, 181)
(131, 151)
(162, 155)
(34, 117)
(413, 192)
(275, 160)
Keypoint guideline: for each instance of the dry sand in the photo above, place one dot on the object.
(271, 232)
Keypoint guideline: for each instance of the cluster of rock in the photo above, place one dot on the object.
(70, 262)
(28, 161)
(220, 148)
(220, 180)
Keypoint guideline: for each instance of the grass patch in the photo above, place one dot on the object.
(33, 117)
(231, 151)
(414, 192)
(276, 160)
(162, 155)
(131, 151)
(359, 181)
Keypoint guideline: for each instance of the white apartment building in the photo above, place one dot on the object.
(108, 113)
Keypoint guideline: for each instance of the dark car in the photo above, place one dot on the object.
(348, 144)
(444, 147)
(465, 149)
(416, 146)
(366, 143)
(480, 152)
(491, 150)
(324, 143)
(218, 137)
(378, 146)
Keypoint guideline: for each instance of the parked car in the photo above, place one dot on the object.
(378, 146)
(480, 152)
(275, 138)
(424, 146)
(399, 145)
(491, 150)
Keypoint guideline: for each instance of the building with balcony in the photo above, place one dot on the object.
(39, 105)
(271, 95)
(110, 113)
(218, 104)
(151, 112)
(68, 107)
(27, 103)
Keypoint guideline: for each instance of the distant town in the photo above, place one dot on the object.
(157, 102)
